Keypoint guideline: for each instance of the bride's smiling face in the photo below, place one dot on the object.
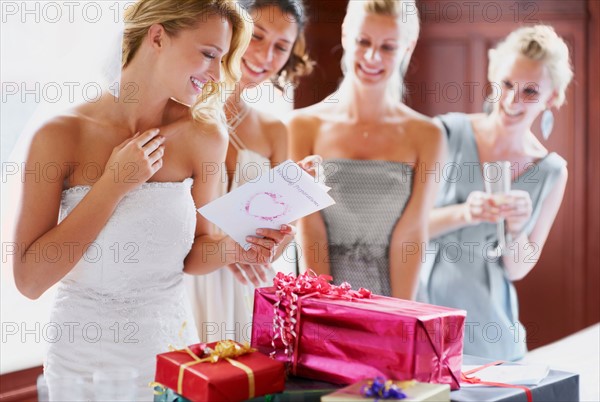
(192, 57)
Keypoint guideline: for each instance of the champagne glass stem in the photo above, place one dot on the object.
(501, 235)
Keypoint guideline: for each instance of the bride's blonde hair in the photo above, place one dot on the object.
(178, 15)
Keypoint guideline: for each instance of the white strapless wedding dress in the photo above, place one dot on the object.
(125, 301)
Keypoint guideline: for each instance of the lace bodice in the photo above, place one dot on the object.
(126, 294)
(151, 229)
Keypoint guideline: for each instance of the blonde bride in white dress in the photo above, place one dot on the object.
(123, 239)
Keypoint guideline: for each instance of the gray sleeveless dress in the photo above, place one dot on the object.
(463, 274)
(370, 196)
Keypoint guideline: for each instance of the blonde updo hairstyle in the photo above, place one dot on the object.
(405, 12)
(178, 15)
(541, 43)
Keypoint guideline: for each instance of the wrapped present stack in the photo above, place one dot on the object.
(339, 335)
(330, 336)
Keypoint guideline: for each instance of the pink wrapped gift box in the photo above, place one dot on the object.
(329, 336)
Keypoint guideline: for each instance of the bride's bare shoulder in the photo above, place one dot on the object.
(59, 134)
(195, 135)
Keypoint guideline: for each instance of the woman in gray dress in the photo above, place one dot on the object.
(532, 68)
(376, 152)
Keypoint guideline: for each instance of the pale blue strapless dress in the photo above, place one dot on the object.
(463, 275)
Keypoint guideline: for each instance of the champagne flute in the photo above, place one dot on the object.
(497, 179)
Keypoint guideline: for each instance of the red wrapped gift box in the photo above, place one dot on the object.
(229, 379)
(334, 336)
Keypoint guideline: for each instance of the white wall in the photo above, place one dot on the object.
(35, 57)
(23, 326)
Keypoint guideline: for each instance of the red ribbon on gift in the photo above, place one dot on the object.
(290, 292)
(475, 380)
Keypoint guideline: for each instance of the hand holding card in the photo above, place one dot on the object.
(285, 194)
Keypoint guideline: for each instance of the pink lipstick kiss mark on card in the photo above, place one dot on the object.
(266, 206)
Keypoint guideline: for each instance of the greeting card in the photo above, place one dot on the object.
(286, 193)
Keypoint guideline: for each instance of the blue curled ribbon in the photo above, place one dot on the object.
(380, 388)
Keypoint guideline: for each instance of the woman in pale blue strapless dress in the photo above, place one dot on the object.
(532, 65)
(376, 151)
(124, 239)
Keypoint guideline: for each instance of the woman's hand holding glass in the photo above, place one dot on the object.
(515, 207)
(481, 207)
(516, 210)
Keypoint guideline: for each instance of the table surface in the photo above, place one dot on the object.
(578, 353)
(481, 393)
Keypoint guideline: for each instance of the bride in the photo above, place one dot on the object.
(123, 238)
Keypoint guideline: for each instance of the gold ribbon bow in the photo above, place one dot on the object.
(228, 349)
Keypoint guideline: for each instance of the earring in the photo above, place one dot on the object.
(547, 123)
(488, 107)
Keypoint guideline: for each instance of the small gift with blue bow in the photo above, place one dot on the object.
(382, 389)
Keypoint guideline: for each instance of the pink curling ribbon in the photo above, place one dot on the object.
(467, 377)
(290, 290)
